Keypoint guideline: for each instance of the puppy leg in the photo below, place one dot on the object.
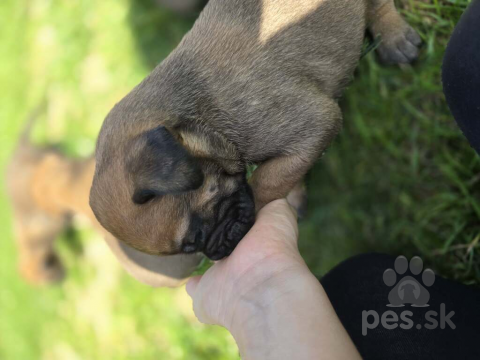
(400, 41)
(277, 177)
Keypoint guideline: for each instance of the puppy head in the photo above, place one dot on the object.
(155, 195)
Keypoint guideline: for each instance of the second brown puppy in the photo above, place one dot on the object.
(253, 82)
(46, 188)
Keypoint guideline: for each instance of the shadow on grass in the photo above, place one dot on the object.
(157, 30)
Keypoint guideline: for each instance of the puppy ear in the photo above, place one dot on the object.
(159, 165)
(153, 270)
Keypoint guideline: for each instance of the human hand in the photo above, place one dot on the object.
(267, 259)
(265, 295)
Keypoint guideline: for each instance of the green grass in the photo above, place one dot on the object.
(399, 179)
(83, 56)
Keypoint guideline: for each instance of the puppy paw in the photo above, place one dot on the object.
(297, 198)
(400, 47)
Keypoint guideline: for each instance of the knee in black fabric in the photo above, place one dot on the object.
(358, 276)
(444, 328)
(354, 283)
(461, 74)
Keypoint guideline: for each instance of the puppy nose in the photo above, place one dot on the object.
(194, 242)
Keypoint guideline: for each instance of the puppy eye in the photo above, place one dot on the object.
(141, 197)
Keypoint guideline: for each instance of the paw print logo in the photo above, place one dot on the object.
(408, 290)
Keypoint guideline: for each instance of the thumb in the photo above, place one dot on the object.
(277, 221)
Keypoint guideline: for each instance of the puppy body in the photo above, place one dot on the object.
(46, 189)
(253, 82)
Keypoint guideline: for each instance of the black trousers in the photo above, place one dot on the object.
(449, 327)
(461, 74)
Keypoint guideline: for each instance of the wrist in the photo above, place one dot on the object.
(293, 321)
(264, 318)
